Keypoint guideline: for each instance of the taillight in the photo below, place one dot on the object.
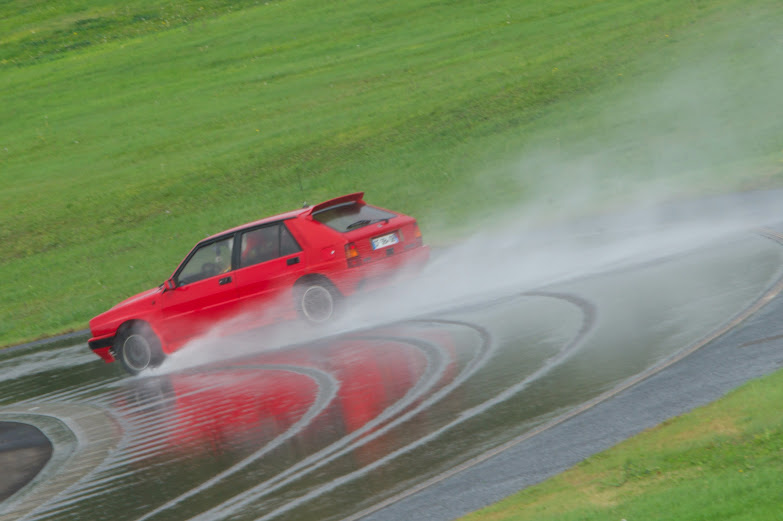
(352, 255)
(417, 236)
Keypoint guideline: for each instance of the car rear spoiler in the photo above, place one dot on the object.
(350, 198)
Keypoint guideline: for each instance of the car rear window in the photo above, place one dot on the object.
(351, 216)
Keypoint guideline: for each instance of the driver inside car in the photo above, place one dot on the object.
(259, 246)
(223, 261)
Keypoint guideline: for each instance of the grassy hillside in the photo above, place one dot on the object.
(128, 131)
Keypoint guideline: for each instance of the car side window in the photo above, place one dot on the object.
(207, 261)
(267, 243)
(288, 244)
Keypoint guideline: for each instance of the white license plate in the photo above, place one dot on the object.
(384, 241)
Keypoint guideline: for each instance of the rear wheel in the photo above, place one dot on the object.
(138, 348)
(317, 301)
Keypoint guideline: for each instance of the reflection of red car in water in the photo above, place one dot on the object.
(246, 403)
(301, 262)
(236, 408)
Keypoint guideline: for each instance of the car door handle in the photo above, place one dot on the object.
(224, 280)
(292, 261)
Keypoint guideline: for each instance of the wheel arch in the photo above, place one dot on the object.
(131, 323)
(135, 322)
(315, 278)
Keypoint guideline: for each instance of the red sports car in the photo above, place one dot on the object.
(301, 262)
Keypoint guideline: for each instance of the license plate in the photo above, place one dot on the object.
(384, 241)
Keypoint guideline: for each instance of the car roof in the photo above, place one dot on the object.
(354, 197)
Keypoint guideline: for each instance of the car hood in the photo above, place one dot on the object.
(136, 298)
(136, 306)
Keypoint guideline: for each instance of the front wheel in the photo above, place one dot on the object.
(317, 302)
(138, 348)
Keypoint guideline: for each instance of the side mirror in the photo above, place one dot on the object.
(169, 285)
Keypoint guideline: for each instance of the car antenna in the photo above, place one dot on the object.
(299, 180)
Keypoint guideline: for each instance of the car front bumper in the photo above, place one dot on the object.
(101, 346)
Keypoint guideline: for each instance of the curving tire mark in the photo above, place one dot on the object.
(764, 299)
(94, 434)
(74, 493)
(436, 366)
(327, 391)
(486, 351)
(145, 426)
(588, 323)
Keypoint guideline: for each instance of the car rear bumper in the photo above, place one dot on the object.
(381, 272)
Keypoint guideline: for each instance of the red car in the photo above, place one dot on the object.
(301, 263)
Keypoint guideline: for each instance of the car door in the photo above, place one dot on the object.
(205, 292)
(269, 262)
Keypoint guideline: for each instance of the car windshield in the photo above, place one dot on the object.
(209, 260)
(351, 216)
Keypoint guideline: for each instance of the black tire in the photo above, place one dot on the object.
(317, 301)
(138, 348)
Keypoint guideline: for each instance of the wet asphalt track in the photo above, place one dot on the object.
(425, 418)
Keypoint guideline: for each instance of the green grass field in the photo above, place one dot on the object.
(129, 131)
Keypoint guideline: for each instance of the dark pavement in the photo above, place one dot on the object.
(24, 451)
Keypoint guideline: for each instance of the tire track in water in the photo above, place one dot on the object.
(771, 293)
(75, 493)
(485, 351)
(150, 423)
(140, 441)
(437, 362)
(588, 323)
(424, 384)
(327, 391)
(141, 445)
(94, 433)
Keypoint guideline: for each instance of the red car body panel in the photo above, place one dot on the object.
(351, 260)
